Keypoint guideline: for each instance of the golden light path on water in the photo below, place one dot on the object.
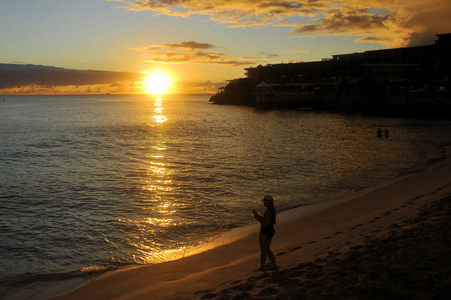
(159, 117)
(161, 208)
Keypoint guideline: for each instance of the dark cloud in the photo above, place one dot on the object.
(349, 22)
(19, 75)
(283, 4)
(307, 28)
(431, 19)
(373, 39)
(190, 45)
(269, 55)
(427, 37)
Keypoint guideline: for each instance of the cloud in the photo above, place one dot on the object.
(191, 52)
(27, 79)
(394, 23)
(430, 18)
(374, 39)
(191, 45)
(233, 12)
(70, 89)
(22, 75)
(269, 55)
(207, 87)
(350, 22)
(199, 57)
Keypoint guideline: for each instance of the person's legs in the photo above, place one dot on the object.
(263, 239)
(271, 256)
(265, 243)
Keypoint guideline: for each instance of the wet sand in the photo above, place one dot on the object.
(390, 241)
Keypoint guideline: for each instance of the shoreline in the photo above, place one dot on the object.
(324, 234)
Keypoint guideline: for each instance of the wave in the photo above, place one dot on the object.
(28, 285)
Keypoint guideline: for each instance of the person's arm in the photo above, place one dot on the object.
(257, 216)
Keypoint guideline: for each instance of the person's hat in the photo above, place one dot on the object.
(268, 198)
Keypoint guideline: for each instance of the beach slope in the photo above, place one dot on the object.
(390, 241)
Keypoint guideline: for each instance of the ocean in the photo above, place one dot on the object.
(90, 184)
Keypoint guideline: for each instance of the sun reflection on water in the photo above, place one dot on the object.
(159, 117)
(158, 212)
(155, 232)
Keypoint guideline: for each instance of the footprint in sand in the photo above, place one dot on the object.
(356, 247)
(355, 227)
(257, 278)
(295, 248)
(243, 287)
(269, 291)
(209, 296)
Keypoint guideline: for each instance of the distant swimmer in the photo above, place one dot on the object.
(379, 132)
(266, 232)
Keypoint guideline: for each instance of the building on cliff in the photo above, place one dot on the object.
(390, 64)
(407, 73)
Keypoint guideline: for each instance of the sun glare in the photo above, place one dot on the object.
(157, 83)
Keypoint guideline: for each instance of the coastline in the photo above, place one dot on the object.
(302, 245)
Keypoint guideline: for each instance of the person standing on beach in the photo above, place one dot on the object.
(266, 231)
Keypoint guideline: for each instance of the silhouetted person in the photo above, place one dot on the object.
(386, 132)
(266, 231)
(379, 132)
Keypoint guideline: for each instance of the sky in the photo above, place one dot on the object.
(111, 46)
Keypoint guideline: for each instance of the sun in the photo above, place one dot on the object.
(157, 83)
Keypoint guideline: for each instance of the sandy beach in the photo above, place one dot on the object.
(390, 241)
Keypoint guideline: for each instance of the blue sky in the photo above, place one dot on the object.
(147, 35)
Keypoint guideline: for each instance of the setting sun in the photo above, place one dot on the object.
(157, 83)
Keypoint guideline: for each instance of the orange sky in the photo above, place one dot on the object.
(200, 43)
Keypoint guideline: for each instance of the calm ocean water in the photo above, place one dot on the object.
(93, 183)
